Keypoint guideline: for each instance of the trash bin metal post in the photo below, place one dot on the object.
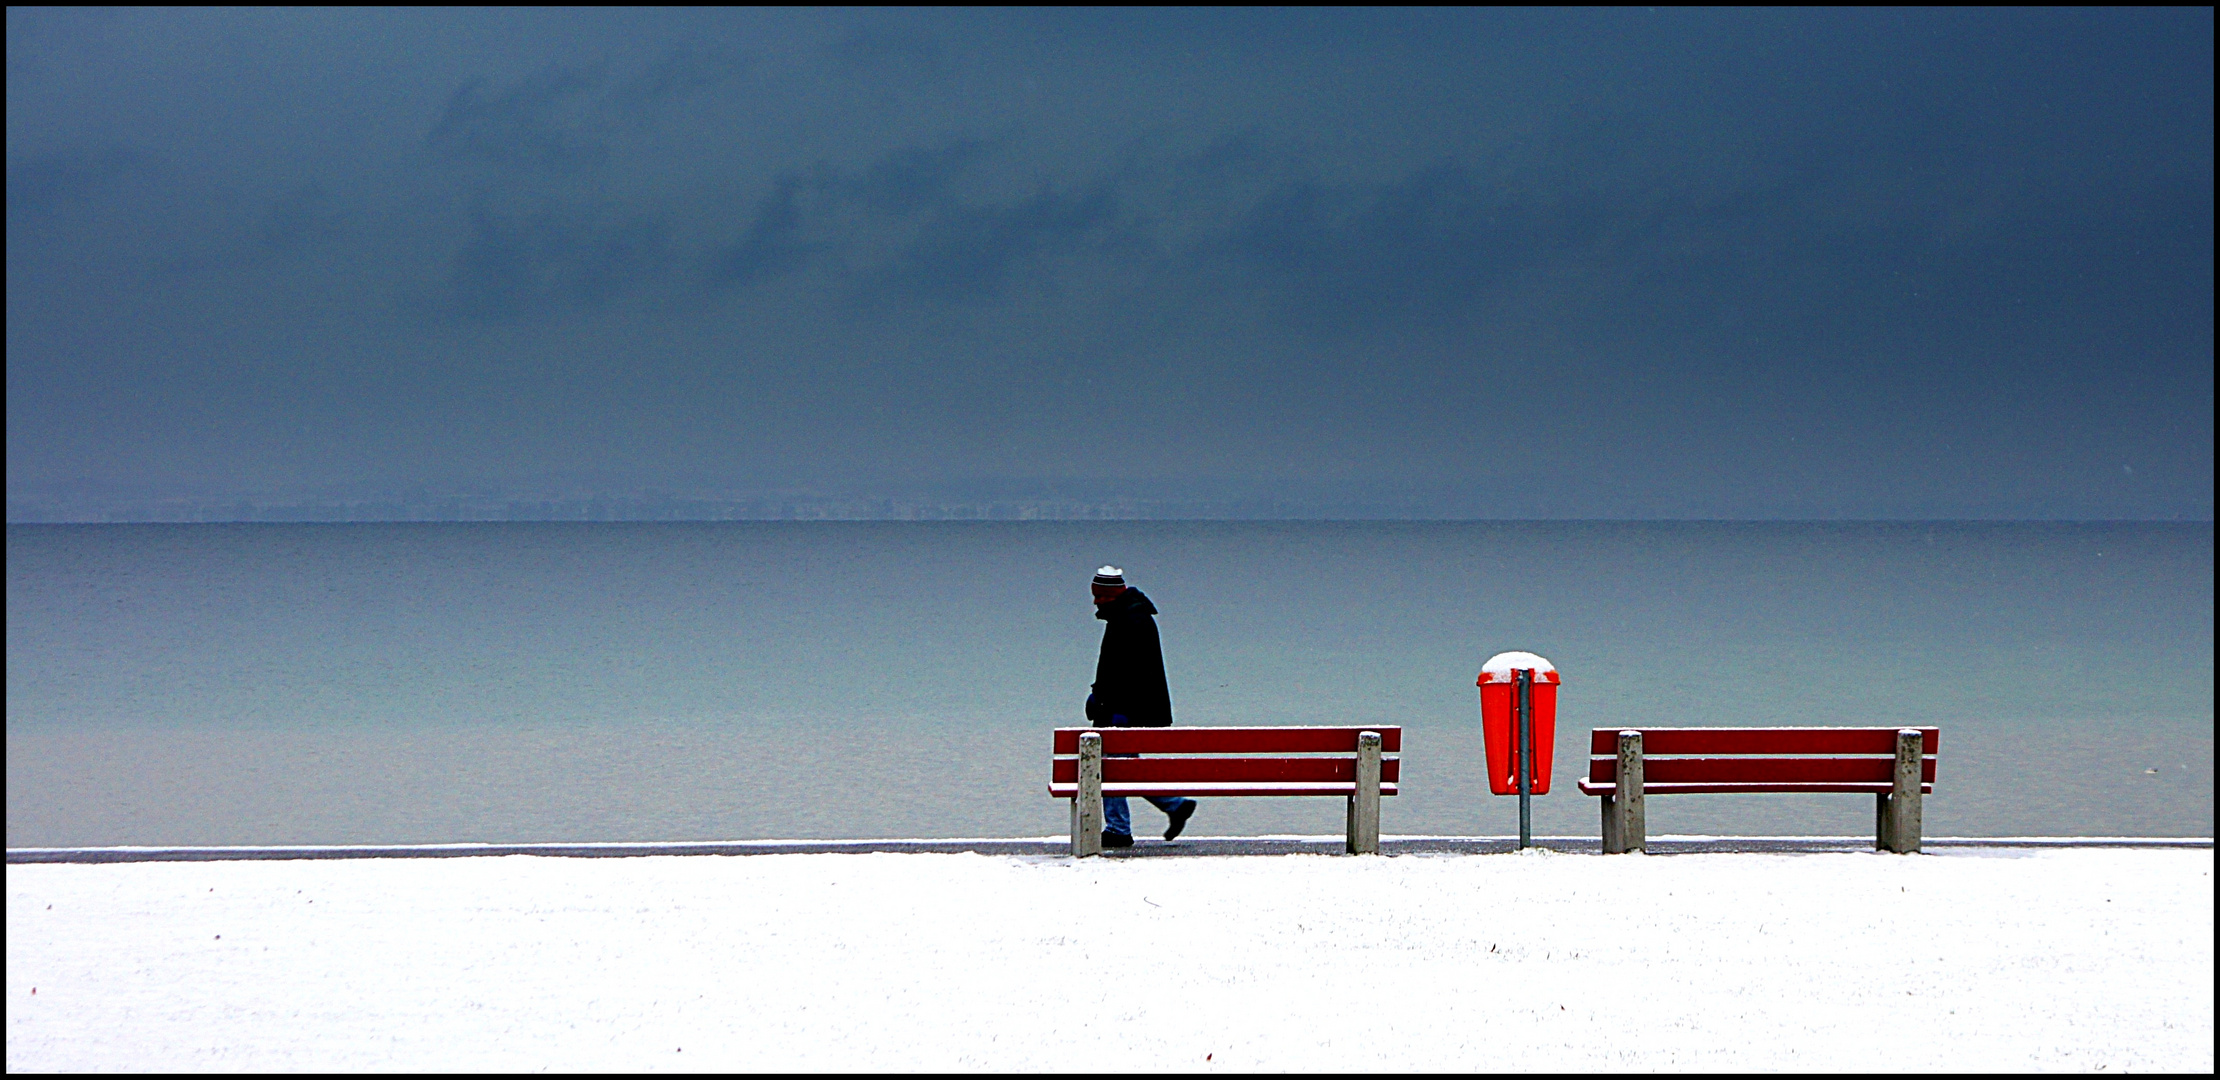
(1525, 757)
(1086, 803)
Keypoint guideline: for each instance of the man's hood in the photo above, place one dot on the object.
(1130, 602)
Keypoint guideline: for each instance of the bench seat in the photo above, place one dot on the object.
(1587, 788)
(1221, 790)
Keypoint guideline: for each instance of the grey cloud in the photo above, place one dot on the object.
(536, 123)
(976, 249)
(134, 218)
(302, 219)
(533, 245)
(888, 49)
(681, 74)
(1423, 247)
(48, 183)
(547, 262)
(905, 225)
(1890, 234)
(916, 178)
(1430, 248)
(563, 117)
(772, 244)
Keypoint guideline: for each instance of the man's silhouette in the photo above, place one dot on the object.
(1130, 691)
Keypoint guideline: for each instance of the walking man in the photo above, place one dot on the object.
(1130, 691)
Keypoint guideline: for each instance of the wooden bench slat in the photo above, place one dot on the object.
(1228, 740)
(1588, 787)
(1218, 789)
(1757, 770)
(1203, 770)
(1775, 740)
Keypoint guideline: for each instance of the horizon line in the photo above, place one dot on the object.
(1167, 519)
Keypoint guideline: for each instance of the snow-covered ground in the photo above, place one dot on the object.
(1972, 959)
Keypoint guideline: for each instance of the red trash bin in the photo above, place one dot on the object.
(1499, 719)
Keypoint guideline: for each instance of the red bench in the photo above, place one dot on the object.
(1358, 764)
(1895, 764)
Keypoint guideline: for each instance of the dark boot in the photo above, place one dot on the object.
(1179, 820)
(1116, 839)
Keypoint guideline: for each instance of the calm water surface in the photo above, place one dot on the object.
(514, 682)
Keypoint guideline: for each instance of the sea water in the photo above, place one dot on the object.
(410, 683)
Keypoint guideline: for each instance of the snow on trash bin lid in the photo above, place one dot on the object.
(1504, 666)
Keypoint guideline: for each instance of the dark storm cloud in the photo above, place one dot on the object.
(1825, 264)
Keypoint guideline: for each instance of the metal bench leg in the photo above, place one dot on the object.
(1086, 803)
(1900, 818)
(1364, 803)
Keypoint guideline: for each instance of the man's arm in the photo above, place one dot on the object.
(1109, 704)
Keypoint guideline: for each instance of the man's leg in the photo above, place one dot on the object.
(1178, 808)
(1116, 818)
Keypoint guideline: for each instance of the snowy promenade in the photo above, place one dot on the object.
(1969, 959)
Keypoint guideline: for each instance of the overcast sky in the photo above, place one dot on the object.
(1624, 263)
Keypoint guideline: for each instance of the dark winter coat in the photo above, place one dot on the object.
(1130, 690)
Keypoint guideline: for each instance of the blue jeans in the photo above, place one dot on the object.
(1115, 815)
(1116, 818)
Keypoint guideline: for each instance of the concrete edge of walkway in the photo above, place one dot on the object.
(1055, 846)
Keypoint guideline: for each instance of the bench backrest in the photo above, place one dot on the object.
(1226, 760)
(1722, 759)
